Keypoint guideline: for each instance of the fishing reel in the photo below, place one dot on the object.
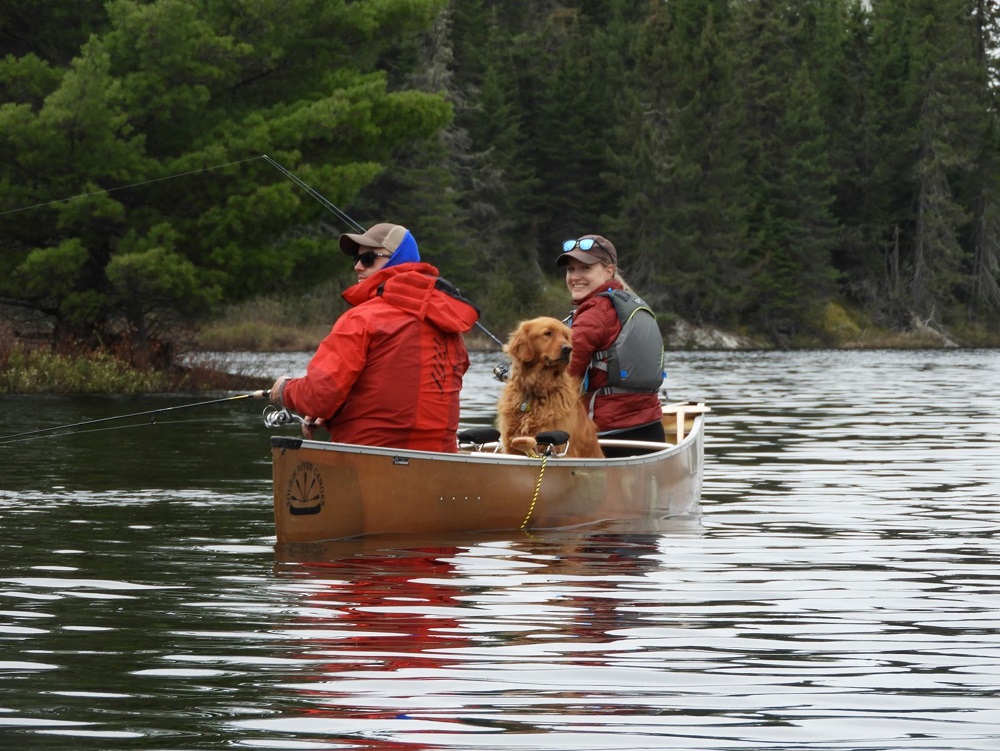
(276, 417)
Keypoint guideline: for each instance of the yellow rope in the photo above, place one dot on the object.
(538, 486)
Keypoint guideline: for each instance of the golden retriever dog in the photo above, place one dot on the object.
(540, 395)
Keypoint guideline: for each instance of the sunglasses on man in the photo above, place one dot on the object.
(367, 259)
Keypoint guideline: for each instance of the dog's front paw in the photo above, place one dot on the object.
(524, 444)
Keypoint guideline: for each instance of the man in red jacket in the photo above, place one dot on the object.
(390, 371)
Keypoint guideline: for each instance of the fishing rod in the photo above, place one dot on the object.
(315, 194)
(283, 170)
(18, 436)
(342, 216)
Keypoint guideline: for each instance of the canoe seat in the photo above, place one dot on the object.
(488, 439)
(552, 438)
(476, 438)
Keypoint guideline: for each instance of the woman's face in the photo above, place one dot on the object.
(583, 278)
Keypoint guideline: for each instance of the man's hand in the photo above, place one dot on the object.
(275, 393)
(309, 425)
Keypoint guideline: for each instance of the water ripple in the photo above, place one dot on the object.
(839, 592)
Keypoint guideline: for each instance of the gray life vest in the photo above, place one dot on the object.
(634, 362)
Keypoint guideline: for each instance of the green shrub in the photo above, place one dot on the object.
(280, 323)
(38, 371)
(841, 324)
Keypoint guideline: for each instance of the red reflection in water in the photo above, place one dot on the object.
(398, 617)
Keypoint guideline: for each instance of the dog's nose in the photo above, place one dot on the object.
(566, 350)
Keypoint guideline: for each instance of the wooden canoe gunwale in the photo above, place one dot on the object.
(655, 452)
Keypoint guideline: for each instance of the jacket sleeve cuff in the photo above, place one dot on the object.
(281, 393)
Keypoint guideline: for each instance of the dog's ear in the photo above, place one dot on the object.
(519, 347)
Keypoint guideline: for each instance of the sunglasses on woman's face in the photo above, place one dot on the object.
(368, 259)
(584, 244)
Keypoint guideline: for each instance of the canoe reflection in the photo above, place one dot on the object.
(433, 637)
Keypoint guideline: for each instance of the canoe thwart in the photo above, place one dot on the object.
(684, 411)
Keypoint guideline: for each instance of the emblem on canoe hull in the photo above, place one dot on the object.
(304, 493)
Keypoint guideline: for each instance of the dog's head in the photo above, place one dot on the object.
(543, 342)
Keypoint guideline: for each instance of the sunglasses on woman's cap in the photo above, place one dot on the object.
(367, 259)
(584, 244)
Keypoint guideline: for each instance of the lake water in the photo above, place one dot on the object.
(841, 589)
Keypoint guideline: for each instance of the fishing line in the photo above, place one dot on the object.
(133, 185)
(283, 170)
(18, 436)
(286, 172)
(108, 428)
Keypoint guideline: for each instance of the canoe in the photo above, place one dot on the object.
(327, 491)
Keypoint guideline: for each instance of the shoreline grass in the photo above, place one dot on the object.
(25, 370)
(263, 327)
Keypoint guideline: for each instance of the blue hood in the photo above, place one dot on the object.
(405, 253)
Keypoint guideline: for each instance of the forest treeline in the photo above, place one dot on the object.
(760, 165)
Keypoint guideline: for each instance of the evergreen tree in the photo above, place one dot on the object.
(419, 187)
(945, 149)
(181, 87)
(838, 51)
(983, 281)
(736, 151)
(571, 151)
(983, 299)
(926, 57)
(498, 182)
(53, 32)
(681, 179)
(790, 183)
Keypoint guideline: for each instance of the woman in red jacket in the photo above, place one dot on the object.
(390, 371)
(622, 409)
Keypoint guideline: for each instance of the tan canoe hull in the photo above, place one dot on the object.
(325, 491)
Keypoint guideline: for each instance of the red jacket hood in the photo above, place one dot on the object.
(610, 284)
(413, 287)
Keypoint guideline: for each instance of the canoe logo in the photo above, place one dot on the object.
(304, 494)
